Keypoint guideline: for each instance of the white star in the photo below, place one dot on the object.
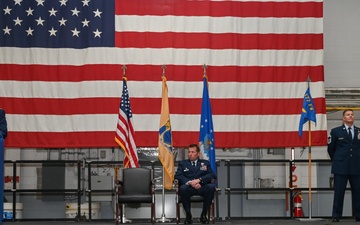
(52, 12)
(63, 2)
(85, 23)
(85, 2)
(40, 2)
(62, 22)
(97, 33)
(75, 12)
(40, 21)
(29, 11)
(97, 13)
(7, 30)
(29, 31)
(18, 21)
(7, 10)
(52, 32)
(17, 2)
(75, 32)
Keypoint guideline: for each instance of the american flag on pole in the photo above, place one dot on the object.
(125, 133)
(59, 61)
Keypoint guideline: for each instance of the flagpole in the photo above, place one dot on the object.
(309, 166)
(116, 170)
(124, 219)
(163, 218)
(205, 75)
(202, 150)
(309, 172)
(309, 169)
(124, 70)
(206, 137)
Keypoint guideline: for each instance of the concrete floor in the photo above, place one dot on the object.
(305, 221)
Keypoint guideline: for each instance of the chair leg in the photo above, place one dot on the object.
(209, 214)
(121, 213)
(153, 213)
(177, 213)
(212, 213)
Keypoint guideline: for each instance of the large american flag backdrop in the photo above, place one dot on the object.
(61, 70)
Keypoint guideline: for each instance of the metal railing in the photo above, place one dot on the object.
(80, 191)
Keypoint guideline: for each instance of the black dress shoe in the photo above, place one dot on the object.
(188, 219)
(357, 219)
(335, 220)
(203, 218)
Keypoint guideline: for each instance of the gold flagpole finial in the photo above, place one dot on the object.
(308, 80)
(204, 67)
(163, 70)
(124, 70)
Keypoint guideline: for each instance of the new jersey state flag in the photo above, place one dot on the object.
(166, 153)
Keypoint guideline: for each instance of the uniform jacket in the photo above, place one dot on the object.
(186, 172)
(3, 124)
(343, 151)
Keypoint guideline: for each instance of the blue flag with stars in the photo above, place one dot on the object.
(57, 24)
(206, 140)
(308, 111)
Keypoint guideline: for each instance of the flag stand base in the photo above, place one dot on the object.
(124, 219)
(163, 219)
(310, 219)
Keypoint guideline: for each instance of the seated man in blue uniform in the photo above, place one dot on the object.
(344, 151)
(195, 177)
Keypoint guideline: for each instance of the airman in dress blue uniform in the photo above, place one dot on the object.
(344, 151)
(195, 180)
(3, 124)
(3, 134)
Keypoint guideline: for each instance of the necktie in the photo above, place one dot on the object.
(193, 163)
(350, 133)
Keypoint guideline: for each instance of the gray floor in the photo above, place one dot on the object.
(305, 221)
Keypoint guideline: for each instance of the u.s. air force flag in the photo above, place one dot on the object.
(206, 140)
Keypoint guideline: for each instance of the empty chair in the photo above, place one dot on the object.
(137, 186)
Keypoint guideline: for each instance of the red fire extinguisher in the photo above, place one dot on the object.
(298, 205)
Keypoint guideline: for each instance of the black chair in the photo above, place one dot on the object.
(137, 186)
(195, 199)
